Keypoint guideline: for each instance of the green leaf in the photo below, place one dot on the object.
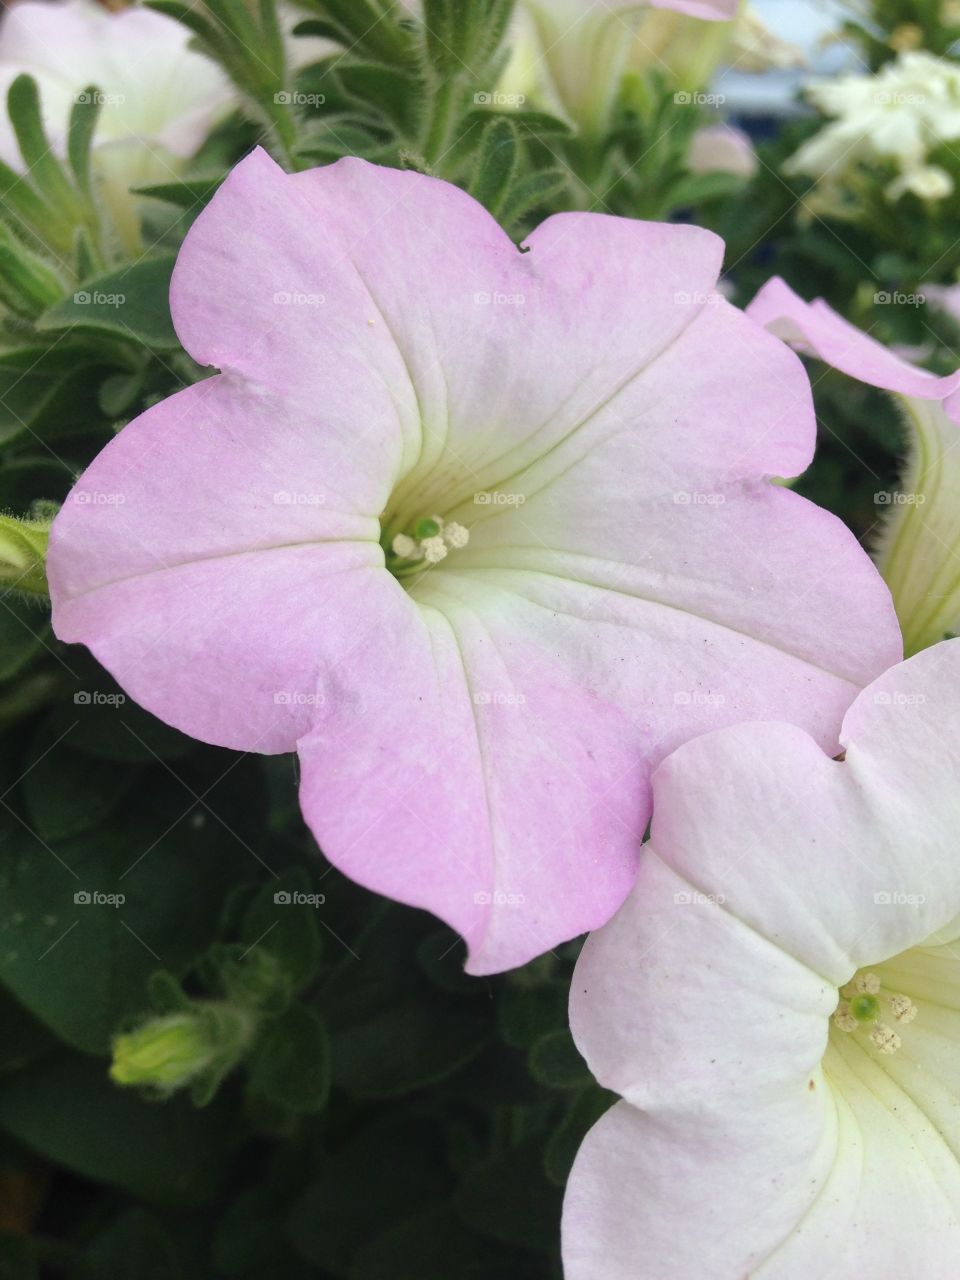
(18, 1258)
(24, 1038)
(23, 105)
(83, 122)
(536, 191)
(29, 283)
(510, 1199)
(24, 628)
(189, 193)
(135, 1247)
(527, 1014)
(131, 303)
(66, 1109)
(496, 164)
(556, 1062)
(67, 792)
(103, 722)
(85, 921)
(430, 1034)
(390, 1170)
(282, 919)
(290, 1064)
(435, 1245)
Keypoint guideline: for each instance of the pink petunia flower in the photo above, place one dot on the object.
(778, 1004)
(482, 534)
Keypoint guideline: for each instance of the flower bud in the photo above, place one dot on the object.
(167, 1053)
(23, 551)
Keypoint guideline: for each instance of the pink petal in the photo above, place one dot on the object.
(818, 330)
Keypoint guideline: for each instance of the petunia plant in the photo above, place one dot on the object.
(396, 527)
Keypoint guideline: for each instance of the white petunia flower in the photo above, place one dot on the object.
(158, 98)
(778, 1003)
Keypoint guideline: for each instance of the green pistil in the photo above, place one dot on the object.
(865, 1008)
(426, 527)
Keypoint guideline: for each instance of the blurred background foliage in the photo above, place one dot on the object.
(250, 1067)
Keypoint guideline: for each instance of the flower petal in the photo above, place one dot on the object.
(818, 330)
(202, 554)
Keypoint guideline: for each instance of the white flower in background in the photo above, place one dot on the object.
(778, 1004)
(928, 181)
(899, 115)
(159, 98)
(722, 148)
(918, 546)
(754, 48)
(586, 45)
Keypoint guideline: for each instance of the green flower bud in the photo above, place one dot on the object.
(23, 551)
(167, 1053)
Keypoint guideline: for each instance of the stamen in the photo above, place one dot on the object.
(403, 546)
(844, 1019)
(434, 549)
(885, 1038)
(456, 535)
(427, 544)
(903, 1009)
(863, 1006)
